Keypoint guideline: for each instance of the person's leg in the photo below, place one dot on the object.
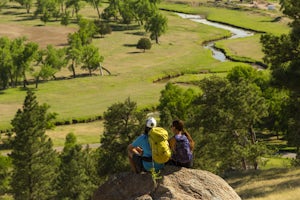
(131, 162)
(138, 163)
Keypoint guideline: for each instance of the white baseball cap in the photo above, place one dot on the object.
(151, 122)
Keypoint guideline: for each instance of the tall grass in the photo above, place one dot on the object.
(272, 184)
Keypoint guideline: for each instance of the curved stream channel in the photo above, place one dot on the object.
(236, 33)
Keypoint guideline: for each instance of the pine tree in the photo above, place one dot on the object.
(73, 181)
(121, 125)
(33, 158)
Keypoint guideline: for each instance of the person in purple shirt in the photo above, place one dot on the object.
(139, 151)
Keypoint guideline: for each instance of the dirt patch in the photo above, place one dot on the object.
(43, 35)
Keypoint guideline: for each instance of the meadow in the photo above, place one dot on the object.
(272, 184)
(180, 52)
(135, 75)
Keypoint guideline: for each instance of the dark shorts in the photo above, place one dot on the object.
(138, 162)
(179, 164)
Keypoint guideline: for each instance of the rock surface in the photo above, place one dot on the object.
(176, 183)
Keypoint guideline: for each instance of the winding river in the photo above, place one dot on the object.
(236, 33)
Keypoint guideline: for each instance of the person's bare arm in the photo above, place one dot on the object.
(134, 150)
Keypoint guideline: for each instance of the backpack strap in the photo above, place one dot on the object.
(147, 159)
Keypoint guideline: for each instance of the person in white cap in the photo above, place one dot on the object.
(139, 151)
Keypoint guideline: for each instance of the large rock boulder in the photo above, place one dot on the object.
(176, 183)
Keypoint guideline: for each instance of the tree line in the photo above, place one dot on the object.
(21, 58)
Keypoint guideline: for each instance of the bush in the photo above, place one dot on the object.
(144, 43)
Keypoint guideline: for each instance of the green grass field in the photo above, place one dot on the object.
(272, 184)
(179, 51)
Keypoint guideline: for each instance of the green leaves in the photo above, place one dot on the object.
(155, 176)
(175, 102)
(156, 25)
(122, 123)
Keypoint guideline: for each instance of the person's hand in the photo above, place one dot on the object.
(139, 150)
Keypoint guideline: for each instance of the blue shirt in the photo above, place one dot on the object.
(142, 142)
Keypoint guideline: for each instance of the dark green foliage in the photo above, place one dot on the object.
(90, 58)
(65, 19)
(122, 123)
(144, 43)
(282, 53)
(143, 10)
(293, 132)
(87, 30)
(110, 11)
(156, 25)
(34, 161)
(5, 165)
(74, 183)
(17, 56)
(174, 102)
(221, 119)
(126, 12)
(291, 8)
(103, 28)
(46, 9)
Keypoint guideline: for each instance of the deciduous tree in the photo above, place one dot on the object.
(122, 123)
(91, 58)
(282, 53)
(175, 102)
(156, 25)
(228, 113)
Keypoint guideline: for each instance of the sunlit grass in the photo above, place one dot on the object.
(267, 184)
(86, 133)
(258, 20)
(180, 51)
(276, 163)
(249, 47)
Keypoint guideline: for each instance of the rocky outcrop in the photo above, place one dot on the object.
(176, 183)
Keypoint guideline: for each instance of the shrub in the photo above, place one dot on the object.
(144, 43)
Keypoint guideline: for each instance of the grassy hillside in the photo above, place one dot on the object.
(272, 184)
(133, 72)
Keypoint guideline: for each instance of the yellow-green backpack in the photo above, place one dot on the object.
(158, 139)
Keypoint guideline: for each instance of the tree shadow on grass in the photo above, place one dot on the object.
(129, 45)
(275, 182)
(25, 18)
(124, 27)
(13, 13)
(275, 188)
(140, 33)
(275, 19)
(134, 52)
